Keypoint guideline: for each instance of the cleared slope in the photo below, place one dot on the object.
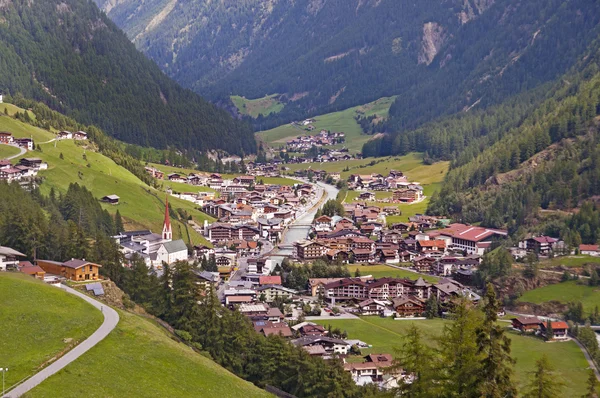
(38, 322)
(140, 205)
(139, 359)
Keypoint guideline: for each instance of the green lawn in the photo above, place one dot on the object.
(385, 271)
(342, 121)
(254, 107)
(386, 334)
(565, 292)
(10, 109)
(140, 205)
(140, 359)
(35, 320)
(8, 150)
(570, 261)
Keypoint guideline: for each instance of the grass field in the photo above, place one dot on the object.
(565, 292)
(342, 121)
(139, 359)
(386, 334)
(254, 107)
(10, 109)
(383, 271)
(24, 130)
(35, 320)
(570, 261)
(8, 150)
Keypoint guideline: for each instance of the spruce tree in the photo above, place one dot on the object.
(431, 307)
(416, 359)
(544, 383)
(549, 330)
(495, 372)
(119, 223)
(592, 385)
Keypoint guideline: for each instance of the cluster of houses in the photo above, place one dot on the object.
(7, 138)
(68, 135)
(534, 325)
(22, 171)
(403, 190)
(303, 143)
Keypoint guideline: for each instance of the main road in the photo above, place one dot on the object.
(111, 318)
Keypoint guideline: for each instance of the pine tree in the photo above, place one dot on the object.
(458, 352)
(431, 307)
(544, 383)
(495, 372)
(549, 331)
(416, 359)
(119, 222)
(592, 385)
(357, 273)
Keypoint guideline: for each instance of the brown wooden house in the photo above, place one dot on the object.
(408, 306)
(74, 269)
(526, 324)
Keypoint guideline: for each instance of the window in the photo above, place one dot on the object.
(91, 268)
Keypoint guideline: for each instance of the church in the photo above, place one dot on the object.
(154, 248)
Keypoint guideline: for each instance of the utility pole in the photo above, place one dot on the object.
(3, 370)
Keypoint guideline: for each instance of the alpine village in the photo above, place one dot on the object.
(309, 198)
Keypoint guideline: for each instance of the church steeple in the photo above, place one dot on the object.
(167, 232)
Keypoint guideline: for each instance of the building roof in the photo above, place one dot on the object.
(471, 232)
(556, 325)
(269, 280)
(7, 251)
(589, 248)
(527, 320)
(167, 222)
(309, 340)
(31, 269)
(545, 239)
(76, 263)
(111, 197)
(315, 350)
(175, 246)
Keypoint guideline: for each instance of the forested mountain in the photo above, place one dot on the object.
(439, 56)
(69, 55)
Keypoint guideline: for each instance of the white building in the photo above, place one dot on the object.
(9, 258)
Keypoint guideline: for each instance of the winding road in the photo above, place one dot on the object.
(22, 151)
(111, 319)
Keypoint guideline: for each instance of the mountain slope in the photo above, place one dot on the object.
(72, 57)
(439, 57)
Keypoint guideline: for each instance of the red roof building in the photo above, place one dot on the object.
(269, 280)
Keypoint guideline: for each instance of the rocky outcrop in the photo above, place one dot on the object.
(473, 8)
(434, 37)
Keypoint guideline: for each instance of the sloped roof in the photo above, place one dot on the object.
(175, 246)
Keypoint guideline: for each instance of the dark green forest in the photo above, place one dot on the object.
(73, 58)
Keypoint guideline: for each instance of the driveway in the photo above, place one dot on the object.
(111, 318)
(22, 152)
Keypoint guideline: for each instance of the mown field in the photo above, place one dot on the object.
(342, 121)
(386, 334)
(140, 359)
(140, 205)
(385, 271)
(570, 261)
(254, 107)
(565, 292)
(38, 322)
(8, 150)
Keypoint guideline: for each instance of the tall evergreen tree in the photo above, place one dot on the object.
(592, 385)
(544, 383)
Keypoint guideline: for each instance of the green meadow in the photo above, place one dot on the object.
(254, 107)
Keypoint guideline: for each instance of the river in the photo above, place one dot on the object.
(295, 234)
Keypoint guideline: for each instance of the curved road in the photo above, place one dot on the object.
(111, 318)
(22, 151)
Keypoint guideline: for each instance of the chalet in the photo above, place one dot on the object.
(268, 328)
(175, 177)
(431, 245)
(112, 199)
(590, 250)
(10, 174)
(526, 324)
(542, 245)
(6, 137)
(9, 258)
(80, 135)
(362, 255)
(559, 330)
(368, 196)
(74, 269)
(424, 264)
(373, 369)
(408, 195)
(64, 135)
(408, 306)
(372, 307)
(330, 345)
(338, 255)
(322, 223)
(208, 279)
(26, 143)
(311, 329)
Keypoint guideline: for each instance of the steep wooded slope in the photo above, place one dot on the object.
(71, 56)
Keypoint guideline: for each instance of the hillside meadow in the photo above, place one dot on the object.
(38, 322)
(386, 335)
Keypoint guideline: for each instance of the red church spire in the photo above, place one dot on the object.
(167, 232)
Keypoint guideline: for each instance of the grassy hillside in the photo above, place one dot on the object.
(140, 359)
(385, 271)
(7, 150)
(254, 107)
(342, 121)
(140, 205)
(565, 292)
(38, 322)
(385, 334)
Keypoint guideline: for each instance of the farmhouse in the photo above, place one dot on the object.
(6, 137)
(74, 269)
(590, 250)
(112, 199)
(559, 330)
(9, 258)
(526, 324)
(408, 306)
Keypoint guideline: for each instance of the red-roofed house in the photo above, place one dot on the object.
(559, 330)
(269, 280)
(590, 250)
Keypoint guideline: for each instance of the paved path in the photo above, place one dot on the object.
(588, 358)
(111, 318)
(22, 151)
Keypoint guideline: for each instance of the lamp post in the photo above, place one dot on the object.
(3, 370)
